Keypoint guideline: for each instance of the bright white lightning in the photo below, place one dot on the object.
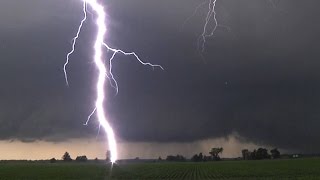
(103, 72)
(74, 40)
(210, 15)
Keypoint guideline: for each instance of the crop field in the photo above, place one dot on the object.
(266, 169)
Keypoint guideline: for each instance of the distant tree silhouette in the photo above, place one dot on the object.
(275, 153)
(246, 154)
(197, 158)
(207, 158)
(215, 153)
(96, 159)
(260, 153)
(66, 157)
(253, 154)
(200, 157)
(159, 159)
(170, 158)
(178, 158)
(53, 160)
(82, 158)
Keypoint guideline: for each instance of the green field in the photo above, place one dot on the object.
(266, 169)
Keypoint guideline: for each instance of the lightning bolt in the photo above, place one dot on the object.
(211, 14)
(103, 71)
(206, 32)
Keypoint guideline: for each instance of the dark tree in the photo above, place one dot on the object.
(207, 158)
(82, 158)
(170, 158)
(215, 153)
(253, 154)
(66, 157)
(200, 157)
(53, 160)
(275, 153)
(262, 153)
(178, 158)
(245, 154)
(195, 158)
(159, 159)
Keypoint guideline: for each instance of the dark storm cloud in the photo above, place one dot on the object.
(260, 79)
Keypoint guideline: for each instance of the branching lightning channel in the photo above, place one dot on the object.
(210, 15)
(74, 40)
(103, 71)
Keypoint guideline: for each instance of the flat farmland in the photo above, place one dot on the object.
(263, 169)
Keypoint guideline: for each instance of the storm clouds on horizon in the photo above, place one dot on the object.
(260, 79)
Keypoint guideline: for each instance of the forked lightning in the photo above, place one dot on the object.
(104, 72)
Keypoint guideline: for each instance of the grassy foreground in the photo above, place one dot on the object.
(268, 169)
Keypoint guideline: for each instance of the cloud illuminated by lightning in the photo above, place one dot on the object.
(103, 71)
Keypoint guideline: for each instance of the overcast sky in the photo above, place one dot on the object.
(259, 79)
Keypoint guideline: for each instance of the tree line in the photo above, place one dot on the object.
(214, 155)
(67, 158)
(260, 153)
